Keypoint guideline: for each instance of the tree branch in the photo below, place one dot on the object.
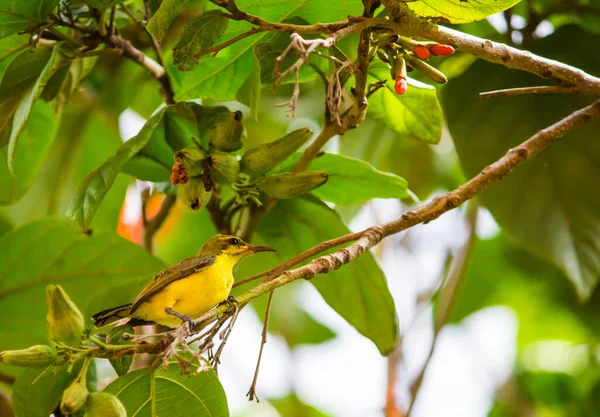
(448, 297)
(152, 226)
(542, 89)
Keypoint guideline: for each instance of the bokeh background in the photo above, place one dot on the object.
(516, 340)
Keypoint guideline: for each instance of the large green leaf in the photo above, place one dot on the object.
(548, 203)
(85, 139)
(168, 393)
(37, 393)
(198, 35)
(20, 74)
(18, 15)
(9, 47)
(353, 181)
(416, 114)
(33, 146)
(97, 183)
(221, 77)
(358, 291)
(161, 20)
(181, 122)
(54, 251)
(459, 11)
(23, 110)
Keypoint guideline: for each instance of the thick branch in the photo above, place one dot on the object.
(408, 24)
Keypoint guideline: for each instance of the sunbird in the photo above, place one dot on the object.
(187, 289)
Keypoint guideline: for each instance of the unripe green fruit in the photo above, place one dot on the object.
(64, 320)
(431, 72)
(224, 168)
(230, 135)
(262, 159)
(290, 184)
(193, 194)
(192, 159)
(73, 398)
(38, 356)
(103, 404)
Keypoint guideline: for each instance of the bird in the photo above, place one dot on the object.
(187, 289)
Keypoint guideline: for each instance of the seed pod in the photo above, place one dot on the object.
(191, 158)
(292, 184)
(73, 398)
(37, 356)
(193, 194)
(224, 167)
(441, 50)
(64, 320)
(400, 77)
(262, 159)
(427, 69)
(230, 135)
(422, 52)
(103, 404)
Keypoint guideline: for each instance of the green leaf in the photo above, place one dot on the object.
(16, 16)
(169, 393)
(180, 123)
(358, 291)
(415, 115)
(85, 139)
(161, 20)
(97, 183)
(37, 393)
(547, 203)
(459, 12)
(220, 78)
(199, 34)
(292, 406)
(9, 47)
(23, 110)
(33, 146)
(20, 74)
(54, 251)
(353, 181)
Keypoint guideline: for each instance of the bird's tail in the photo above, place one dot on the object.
(111, 315)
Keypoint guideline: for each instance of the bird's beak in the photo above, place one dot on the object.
(254, 249)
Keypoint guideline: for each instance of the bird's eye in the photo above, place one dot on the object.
(234, 241)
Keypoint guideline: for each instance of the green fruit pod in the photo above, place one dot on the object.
(38, 356)
(192, 159)
(260, 160)
(193, 194)
(290, 184)
(73, 398)
(103, 404)
(224, 168)
(64, 320)
(230, 135)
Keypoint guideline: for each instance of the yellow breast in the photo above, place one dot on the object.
(192, 296)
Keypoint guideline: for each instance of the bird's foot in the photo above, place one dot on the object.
(182, 317)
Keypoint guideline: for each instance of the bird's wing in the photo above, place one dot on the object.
(171, 274)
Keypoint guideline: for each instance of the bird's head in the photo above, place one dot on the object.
(232, 247)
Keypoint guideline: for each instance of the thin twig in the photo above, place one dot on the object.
(252, 391)
(217, 48)
(6, 378)
(393, 362)
(156, 222)
(542, 89)
(447, 297)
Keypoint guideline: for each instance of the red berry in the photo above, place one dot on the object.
(400, 86)
(421, 51)
(442, 50)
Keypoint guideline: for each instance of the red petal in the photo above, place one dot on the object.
(422, 52)
(443, 50)
(401, 85)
